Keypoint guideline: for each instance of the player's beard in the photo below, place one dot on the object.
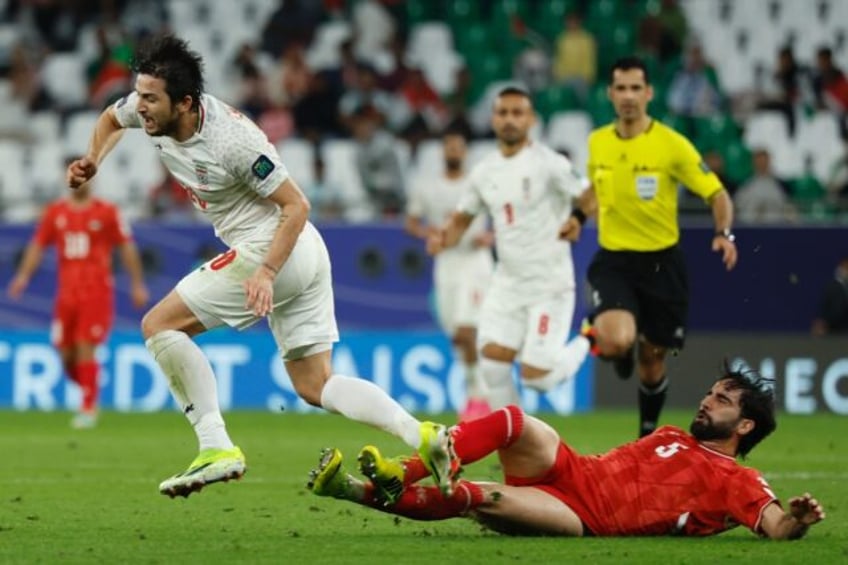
(168, 127)
(512, 136)
(453, 165)
(705, 429)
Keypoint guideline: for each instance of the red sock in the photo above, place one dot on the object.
(71, 371)
(476, 439)
(427, 503)
(87, 373)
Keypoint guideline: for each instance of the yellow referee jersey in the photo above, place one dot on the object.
(636, 182)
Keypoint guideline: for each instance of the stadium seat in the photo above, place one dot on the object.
(298, 156)
(78, 130)
(323, 52)
(737, 161)
(16, 202)
(339, 157)
(63, 76)
(555, 98)
(818, 137)
(429, 38)
(569, 131)
(429, 160)
(549, 19)
(45, 162)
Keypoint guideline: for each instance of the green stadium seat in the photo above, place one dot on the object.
(460, 13)
(555, 98)
(737, 162)
(599, 106)
(418, 11)
(473, 42)
(716, 131)
(549, 17)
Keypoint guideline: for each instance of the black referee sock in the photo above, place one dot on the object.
(651, 400)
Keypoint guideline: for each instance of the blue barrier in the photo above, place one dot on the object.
(414, 367)
(382, 276)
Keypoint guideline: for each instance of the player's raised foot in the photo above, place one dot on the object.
(623, 366)
(386, 474)
(436, 452)
(475, 408)
(210, 466)
(84, 421)
(330, 477)
(589, 331)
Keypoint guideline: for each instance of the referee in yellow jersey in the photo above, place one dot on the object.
(638, 277)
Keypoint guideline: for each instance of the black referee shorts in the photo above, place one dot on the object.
(652, 285)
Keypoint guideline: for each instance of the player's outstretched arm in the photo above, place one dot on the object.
(106, 134)
(29, 264)
(804, 511)
(131, 260)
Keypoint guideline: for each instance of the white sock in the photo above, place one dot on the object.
(192, 384)
(500, 388)
(474, 387)
(363, 401)
(568, 362)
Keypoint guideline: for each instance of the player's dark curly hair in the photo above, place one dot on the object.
(756, 401)
(169, 58)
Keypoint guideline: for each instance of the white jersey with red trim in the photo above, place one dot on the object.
(528, 196)
(228, 166)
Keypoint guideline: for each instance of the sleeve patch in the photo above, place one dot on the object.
(262, 167)
(122, 101)
(704, 168)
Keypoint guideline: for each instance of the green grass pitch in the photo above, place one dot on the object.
(91, 497)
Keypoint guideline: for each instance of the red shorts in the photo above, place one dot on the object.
(566, 481)
(86, 320)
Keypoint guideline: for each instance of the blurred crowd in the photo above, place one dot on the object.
(386, 72)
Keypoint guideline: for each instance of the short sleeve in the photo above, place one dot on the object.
(565, 179)
(125, 111)
(691, 170)
(471, 201)
(251, 158)
(748, 494)
(45, 232)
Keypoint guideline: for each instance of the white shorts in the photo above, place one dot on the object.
(460, 291)
(537, 330)
(303, 318)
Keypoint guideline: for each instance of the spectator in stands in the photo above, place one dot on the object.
(397, 76)
(457, 103)
(837, 182)
(378, 164)
(673, 29)
(291, 78)
(763, 198)
(427, 114)
(694, 90)
(830, 87)
(24, 79)
(293, 22)
(576, 59)
(316, 114)
(252, 95)
(784, 89)
(109, 74)
(833, 310)
(365, 94)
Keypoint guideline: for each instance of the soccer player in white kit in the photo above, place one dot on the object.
(528, 190)
(460, 274)
(277, 266)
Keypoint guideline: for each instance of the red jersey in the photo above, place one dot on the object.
(664, 483)
(84, 237)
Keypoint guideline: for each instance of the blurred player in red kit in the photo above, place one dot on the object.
(84, 230)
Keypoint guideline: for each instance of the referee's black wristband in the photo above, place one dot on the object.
(578, 213)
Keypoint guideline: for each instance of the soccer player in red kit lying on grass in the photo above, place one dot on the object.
(667, 483)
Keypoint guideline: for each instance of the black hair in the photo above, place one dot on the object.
(756, 401)
(169, 58)
(514, 90)
(629, 63)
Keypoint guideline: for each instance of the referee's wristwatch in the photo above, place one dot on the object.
(726, 234)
